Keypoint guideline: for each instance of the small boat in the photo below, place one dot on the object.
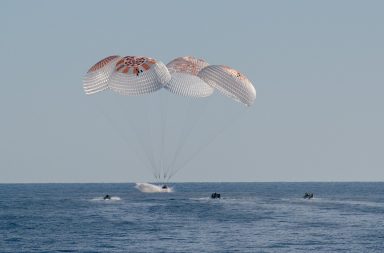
(308, 195)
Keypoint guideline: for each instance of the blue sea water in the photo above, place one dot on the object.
(250, 217)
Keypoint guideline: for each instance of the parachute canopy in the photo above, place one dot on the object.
(185, 81)
(129, 75)
(229, 82)
(97, 77)
(185, 76)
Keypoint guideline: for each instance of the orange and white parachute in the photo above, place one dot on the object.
(129, 75)
(185, 76)
(96, 79)
(229, 82)
(184, 80)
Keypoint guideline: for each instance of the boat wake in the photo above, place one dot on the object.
(113, 198)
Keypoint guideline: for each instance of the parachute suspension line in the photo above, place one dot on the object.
(149, 132)
(139, 138)
(146, 149)
(163, 133)
(164, 117)
(182, 136)
(220, 131)
(118, 130)
(156, 136)
(187, 130)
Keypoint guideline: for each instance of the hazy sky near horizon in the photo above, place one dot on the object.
(317, 67)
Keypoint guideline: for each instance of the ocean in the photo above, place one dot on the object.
(249, 217)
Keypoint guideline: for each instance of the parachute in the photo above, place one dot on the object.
(230, 82)
(189, 78)
(184, 80)
(129, 75)
(97, 77)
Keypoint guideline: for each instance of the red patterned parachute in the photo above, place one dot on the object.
(185, 81)
(129, 75)
(185, 76)
(229, 82)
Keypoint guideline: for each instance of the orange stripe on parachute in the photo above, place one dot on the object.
(119, 67)
(102, 63)
(145, 66)
(120, 62)
(125, 70)
(151, 61)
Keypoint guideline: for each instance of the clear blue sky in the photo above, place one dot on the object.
(317, 67)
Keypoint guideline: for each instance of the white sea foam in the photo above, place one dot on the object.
(151, 188)
(114, 198)
(202, 198)
(354, 202)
